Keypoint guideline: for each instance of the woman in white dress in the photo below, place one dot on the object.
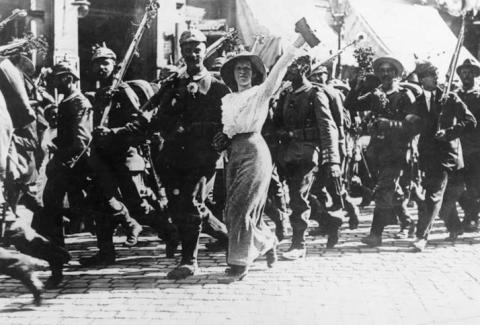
(249, 167)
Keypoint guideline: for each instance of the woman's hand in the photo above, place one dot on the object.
(299, 42)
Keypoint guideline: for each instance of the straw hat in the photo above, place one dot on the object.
(257, 65)
(388, 59)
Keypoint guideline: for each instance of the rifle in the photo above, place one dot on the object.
(14, 15)
(150, 13)
(25, 44)
(451, 69)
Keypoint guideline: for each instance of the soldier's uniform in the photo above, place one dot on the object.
(114, 159)
(335, 189)
(24, 139)
(471, 154)
(189, 117)
(74, 132)
(309, 143)
(387, 149)
(276, 207)
(73, 135)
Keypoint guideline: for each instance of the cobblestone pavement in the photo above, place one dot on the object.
(350, 284)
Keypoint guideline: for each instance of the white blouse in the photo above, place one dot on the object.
(246, 111)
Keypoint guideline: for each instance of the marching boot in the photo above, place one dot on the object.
(56, 278)
(352, 212)
(333, 230)
(367, 196)
(374, 239)
(133, 230)
(188, 265)
(106, 254)
(168, 232)
(271, 255)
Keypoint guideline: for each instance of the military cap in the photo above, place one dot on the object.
(388, 59)
(103, 52)
(192, 35)
(65, 67)
(425, 68)
(469, 64)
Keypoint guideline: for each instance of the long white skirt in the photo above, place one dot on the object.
(248, 175)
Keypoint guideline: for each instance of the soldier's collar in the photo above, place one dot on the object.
(72, 95)
(307, 85)
(203, 79)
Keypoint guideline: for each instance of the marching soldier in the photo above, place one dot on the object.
(443, 122)
(391, 127)
(470, 95)
(336, 99)
(189, 117)
(74, 131)
(309, 139)
(114, 158)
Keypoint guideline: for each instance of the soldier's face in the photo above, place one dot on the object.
(103, 68)
(387, 73)
(193, 53)
(243, 74)
(63, 83)
(294, 73)
(468, 77)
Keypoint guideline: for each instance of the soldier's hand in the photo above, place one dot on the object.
(102, 131)
(106, 94)
(334, 171)
(52, 147)
(220, 141)
(382, 123)
(441, 135)
(102, 135)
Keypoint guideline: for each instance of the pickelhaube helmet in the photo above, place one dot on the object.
(65, 67)
(192, 35)
(102, 52)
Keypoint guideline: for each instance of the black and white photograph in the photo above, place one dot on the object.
(240, 162)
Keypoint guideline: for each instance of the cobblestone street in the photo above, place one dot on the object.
(350, 284)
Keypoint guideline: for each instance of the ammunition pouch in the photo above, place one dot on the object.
(306, 134)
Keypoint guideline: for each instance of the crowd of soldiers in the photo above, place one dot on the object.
(156, 157)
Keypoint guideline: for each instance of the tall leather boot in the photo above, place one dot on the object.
(106, 255)
(188, 265)
(352, 212)
(376, 230)
(131, 226)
